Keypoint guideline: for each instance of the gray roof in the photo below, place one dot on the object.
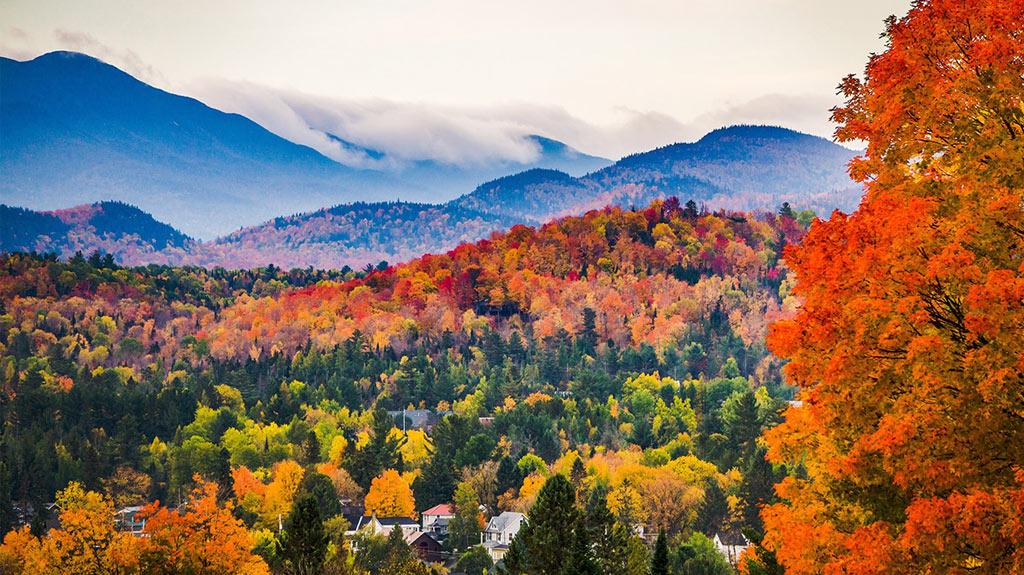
(503, 521)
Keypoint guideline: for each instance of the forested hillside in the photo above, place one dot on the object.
(110, 227)
(623, 348)
(738, 167)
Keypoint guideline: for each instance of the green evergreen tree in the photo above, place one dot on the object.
(659, 562)
(514, 562)
(303, 543)
(757, 489)
(322, 489)
(381, 452)
(580, 559)
(713, 510)
(549, 529)
(609, 537)
(742, 423)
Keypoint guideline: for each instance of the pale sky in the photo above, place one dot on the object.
(606, 76)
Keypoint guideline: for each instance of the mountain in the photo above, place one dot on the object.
(743, 167)
(353, 234)
(78, 131)
(739, 167)
(113, 227)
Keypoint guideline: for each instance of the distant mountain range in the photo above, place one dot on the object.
(77, 131)
(739, 167)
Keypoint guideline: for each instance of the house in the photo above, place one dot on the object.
(130, 520)
(422, 419)
(426, 546)
(435, 520)
(500, 531)
(731, 544)
(384, 525)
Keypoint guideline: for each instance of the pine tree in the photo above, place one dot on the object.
(381, 452)
(514, 562)
(713, 510)
(659, 562)
(758, 489)
(303, 544)
(549, 530)
(609, 537)
(580, 560)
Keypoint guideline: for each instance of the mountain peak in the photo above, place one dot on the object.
(754, 132)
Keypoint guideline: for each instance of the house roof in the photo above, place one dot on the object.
(417, 418)
(414, 536)
(395, 521)
(732, 538)
(504, 520)
(442, 509)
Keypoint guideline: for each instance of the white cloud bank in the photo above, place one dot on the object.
(466, 136)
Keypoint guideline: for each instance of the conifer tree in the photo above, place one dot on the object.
(549, 530)
(659, 562)
(303, 544)
(580, 560)
(713, 510)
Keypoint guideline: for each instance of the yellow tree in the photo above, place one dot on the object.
(390, 496)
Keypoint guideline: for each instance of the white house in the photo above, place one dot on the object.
(501, 529)
(384, 525)
(435, 520)
(731, 545)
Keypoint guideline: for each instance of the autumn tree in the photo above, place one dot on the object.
(464, 528)
(907, 346)
(390, 496)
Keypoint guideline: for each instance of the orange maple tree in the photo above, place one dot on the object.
(205, 539)
(390, 496)
(909, 345)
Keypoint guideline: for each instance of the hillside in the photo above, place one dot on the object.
(739, 167)
(113, 227)
(351, 235)
(623, 347)
(746, 167)
(635, 268)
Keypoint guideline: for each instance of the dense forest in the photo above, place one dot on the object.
(625, 348)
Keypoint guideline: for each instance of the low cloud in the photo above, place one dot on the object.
(124, 59)
(388, 135)
(470, 136)
(407, 132)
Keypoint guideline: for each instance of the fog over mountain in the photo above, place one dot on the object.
(78, 131)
